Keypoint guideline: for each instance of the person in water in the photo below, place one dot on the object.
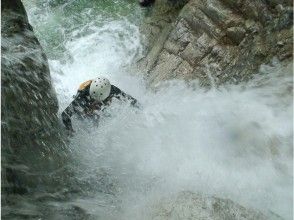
(146, 3)
(92, 97)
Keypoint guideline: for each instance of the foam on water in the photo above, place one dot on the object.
(233, 142)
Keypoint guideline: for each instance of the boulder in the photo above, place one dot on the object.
(32, 145)
(189, 205)
(223, 40)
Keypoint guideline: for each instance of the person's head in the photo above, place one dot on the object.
(146, 3)
(100, 89)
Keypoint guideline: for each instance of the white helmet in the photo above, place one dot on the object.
(100, 89)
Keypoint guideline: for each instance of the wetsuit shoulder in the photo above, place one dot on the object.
(81, 99)
(83, 91)
(115, 90)
(85, 85)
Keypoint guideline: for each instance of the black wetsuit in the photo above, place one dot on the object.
(84, 106)
(146, 3)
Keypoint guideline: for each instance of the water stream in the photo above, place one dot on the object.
(233, 142)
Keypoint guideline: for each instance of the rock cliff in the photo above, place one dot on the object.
(31, 141)
(216, 41)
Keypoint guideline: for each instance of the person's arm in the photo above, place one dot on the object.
(66, 117)
(117, 93)
(70, 110)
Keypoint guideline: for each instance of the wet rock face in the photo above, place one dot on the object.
(189, 205)
(223, 40)
(30, 136)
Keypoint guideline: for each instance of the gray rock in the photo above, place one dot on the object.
(232, 38)
(167, 64)
(236, 34)
(196, 50)
(188, 205)
(32, 144)
(185, 70)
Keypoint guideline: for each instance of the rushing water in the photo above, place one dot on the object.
(233, 142)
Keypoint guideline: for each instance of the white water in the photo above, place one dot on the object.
(233, 142)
